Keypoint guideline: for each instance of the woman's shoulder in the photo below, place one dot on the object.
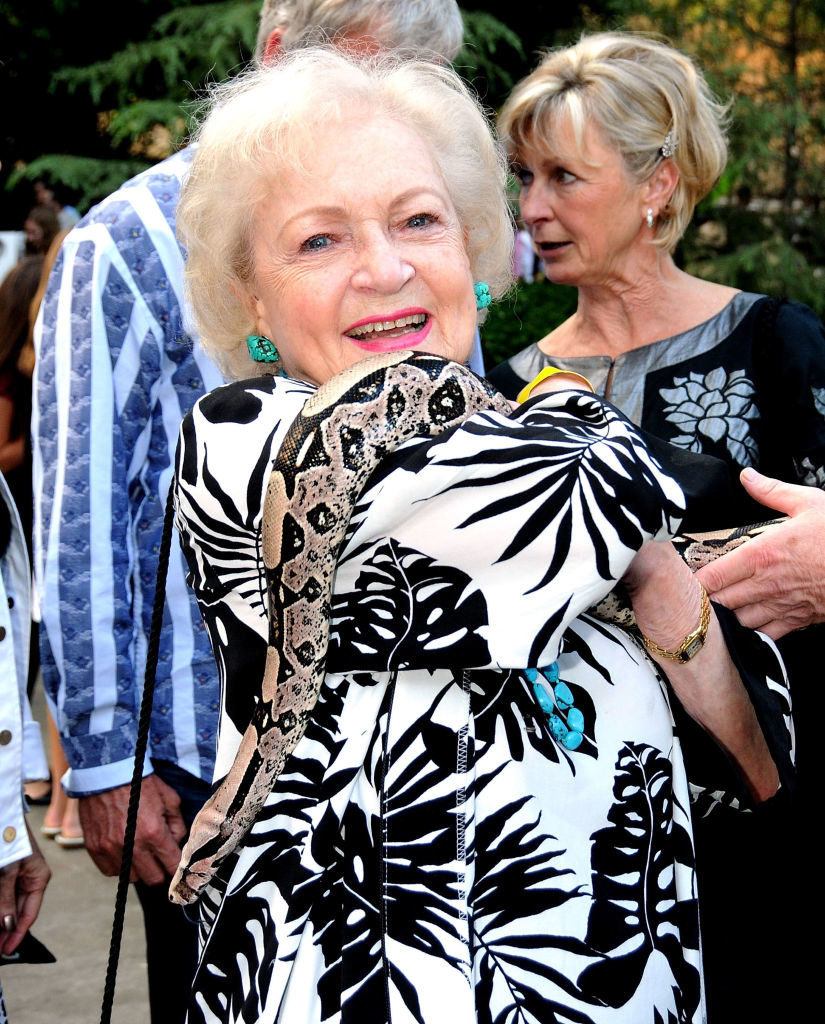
(786, 332)
(230, 429)
(795, 317)
(237, 400)
(245, 401)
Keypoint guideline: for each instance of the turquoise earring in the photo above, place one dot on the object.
(261, 349)
(483, 298)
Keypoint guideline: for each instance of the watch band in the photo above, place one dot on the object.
(693, 642)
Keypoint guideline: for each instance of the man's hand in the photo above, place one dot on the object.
(160, 829)
(776, 582)
(22, 885)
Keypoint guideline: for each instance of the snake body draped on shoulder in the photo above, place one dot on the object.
(329, 452)
(343, 432)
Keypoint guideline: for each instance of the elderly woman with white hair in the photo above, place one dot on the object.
(471, 803)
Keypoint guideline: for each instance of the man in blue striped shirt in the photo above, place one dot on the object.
(117, 369)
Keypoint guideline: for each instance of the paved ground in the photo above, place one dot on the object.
(76, 925)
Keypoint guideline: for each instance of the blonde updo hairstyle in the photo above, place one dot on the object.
(636, 91)
(265, 122)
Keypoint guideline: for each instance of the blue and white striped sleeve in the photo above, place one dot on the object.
(108, 403)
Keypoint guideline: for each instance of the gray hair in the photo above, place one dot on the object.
(639, 93)
(264, 122)
(432, 26)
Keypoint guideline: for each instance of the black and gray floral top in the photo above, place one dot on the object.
(746, 386)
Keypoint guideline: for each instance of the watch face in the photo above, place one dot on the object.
(693, 648)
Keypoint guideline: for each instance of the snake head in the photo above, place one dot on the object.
(188, 883)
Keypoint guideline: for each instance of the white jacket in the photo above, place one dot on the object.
(21, 749)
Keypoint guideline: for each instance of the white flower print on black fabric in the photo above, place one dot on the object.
(808, 473)
(819, 400)
(718, 406)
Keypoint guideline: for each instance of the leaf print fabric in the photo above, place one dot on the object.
(718, 406)
(428, 854)
(636, 912)
(813, 476)
(412, 610)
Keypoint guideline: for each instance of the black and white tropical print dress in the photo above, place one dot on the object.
(488, 818)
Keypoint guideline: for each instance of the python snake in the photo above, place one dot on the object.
(345, 428)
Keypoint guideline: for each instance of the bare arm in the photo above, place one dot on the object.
(776, 582)
(667, 602)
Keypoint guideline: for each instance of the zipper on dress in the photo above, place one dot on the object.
(608, 384)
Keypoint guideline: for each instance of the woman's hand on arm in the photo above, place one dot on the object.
(776, 582)
(667, 602)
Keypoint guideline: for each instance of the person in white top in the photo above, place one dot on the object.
(24, 873)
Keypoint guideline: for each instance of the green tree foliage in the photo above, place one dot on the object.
(523, 316)
(769, 57)
(142, 96)
(36, 38)
(491, 50)
(185, 46)
(759, 250)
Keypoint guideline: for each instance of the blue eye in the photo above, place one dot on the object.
(421, 220)
(524, 176)
(565, 177)
(315, 243)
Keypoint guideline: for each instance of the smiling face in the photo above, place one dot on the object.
(583, 210)
(361, 252)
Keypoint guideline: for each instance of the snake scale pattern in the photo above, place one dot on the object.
(344, 430)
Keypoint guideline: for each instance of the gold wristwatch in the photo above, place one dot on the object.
(693, 642)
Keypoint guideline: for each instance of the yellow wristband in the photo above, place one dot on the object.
(551, 371)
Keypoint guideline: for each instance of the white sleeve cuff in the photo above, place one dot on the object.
(86, 781)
